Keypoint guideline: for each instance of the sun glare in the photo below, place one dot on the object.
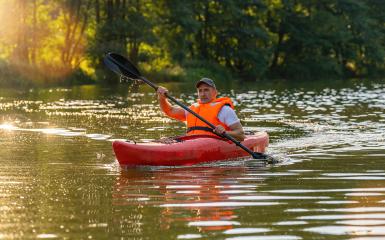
(35, 42)
(7, 126)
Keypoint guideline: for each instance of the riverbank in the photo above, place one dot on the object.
(26, 77)
(29, 76)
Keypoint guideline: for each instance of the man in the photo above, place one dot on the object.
(218, 111)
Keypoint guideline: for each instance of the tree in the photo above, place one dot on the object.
(317, 39)
(75, 20)
(225, 32)
(121, 26)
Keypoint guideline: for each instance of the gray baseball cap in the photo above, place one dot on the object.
(207, 81)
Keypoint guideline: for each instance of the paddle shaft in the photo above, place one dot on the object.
(225, 135)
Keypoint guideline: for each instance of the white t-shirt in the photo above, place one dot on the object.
(226, 115)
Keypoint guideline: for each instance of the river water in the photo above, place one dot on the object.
(59, 178)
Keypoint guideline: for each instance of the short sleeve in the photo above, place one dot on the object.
(228, 116)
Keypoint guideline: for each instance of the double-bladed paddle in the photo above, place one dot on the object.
(122, 66)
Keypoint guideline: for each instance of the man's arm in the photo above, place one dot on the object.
(236, 131)
(228, 116)
(171, 111)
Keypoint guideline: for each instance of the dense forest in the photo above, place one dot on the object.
(64, 41)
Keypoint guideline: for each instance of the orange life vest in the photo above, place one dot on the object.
(208, 111)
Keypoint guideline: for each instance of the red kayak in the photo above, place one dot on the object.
(188, 150)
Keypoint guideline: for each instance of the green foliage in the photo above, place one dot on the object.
(121, 26)
(78, 77)
(65, 41)
(8, 78)
(328, 38)
(198, 69)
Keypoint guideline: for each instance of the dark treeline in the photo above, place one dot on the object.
(65, 40)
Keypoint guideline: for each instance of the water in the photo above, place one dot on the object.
(59, 178)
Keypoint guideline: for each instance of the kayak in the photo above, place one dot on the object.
(186, 150)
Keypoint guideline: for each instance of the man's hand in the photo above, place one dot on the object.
(236, 131)
(162, 91)
(171, 111)
(219, 129)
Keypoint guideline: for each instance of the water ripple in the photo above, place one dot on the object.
(219, 204)
(347, 230)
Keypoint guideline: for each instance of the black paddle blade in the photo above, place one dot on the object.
(267, 158)
(121, 65)
(113, 67)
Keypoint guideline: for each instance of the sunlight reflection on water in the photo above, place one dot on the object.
(57, 167)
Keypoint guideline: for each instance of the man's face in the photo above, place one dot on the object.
(206, 93)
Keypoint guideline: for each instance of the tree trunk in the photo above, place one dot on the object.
(20, 54)
(109, 10)
(34, 27)
(277, 50)
(97, 12)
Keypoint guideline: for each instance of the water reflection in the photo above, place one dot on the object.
(201, 194)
